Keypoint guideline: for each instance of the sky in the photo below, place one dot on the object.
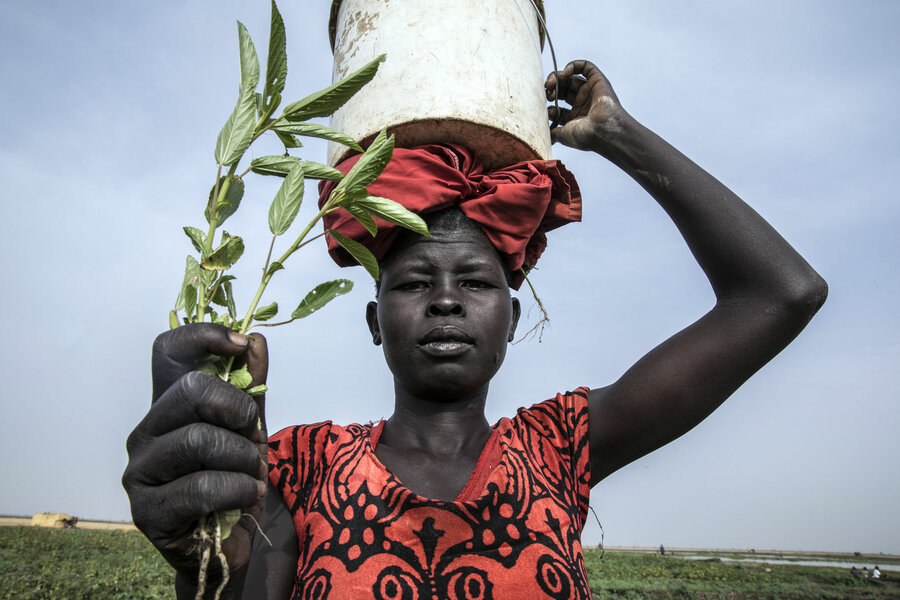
(107, 131)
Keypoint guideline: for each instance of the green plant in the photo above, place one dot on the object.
(207, 281)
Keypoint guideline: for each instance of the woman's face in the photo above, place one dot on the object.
(444, 315)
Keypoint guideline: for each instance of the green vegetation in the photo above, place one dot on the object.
(628, 575)
(74, 564)
(43, 564)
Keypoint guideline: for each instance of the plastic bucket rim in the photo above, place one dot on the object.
(336, 6)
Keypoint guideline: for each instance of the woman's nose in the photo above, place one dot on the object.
(446, 301)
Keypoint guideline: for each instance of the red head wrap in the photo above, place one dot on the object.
(515, 206)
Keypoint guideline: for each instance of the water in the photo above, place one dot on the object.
(781, 560)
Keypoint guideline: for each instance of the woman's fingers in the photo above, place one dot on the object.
(168, 514)
(198, 397)
(576, 84)
(593, 109)
(257, 358)
(181, 350)
(196, 447)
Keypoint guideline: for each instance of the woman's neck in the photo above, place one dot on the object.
(443, 429)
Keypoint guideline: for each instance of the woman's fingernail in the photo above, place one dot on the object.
(237, 338)
(261, 488)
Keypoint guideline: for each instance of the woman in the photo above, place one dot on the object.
(460, 508)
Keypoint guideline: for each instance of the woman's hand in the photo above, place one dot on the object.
(595, 115)
(199, 449)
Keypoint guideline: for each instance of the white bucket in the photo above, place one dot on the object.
(463, 71)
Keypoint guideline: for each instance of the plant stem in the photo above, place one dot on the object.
(310, 240)
(272, 324)
(207, 246)
(269, 256)
(262, 120)
(298, 243)
(545, 316)
(218, 194)
(222, 559)
(204, 547)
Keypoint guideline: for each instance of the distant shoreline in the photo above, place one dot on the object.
(23, 521)
(747, 551)
(8, 521)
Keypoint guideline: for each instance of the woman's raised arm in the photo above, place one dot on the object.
(765, 291)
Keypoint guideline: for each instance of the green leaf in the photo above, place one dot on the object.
(314, 170)
(198, 238)
(276, 64)
(390, 211)
(228, 203)
(266, 312)
(287, 201)
(229, 297)
(320, 296)
(363, 217)
(317, 131)
(324, 102)
(209, 368)
(359, 252)
(223, 319)
(189, 283)
(225, 255)
(274, 268)
(257, 390)
(173, 320)
(369, 167)
(207, 278)
(190, 302)
(237, 132)
(240, 378)
(219, 297)
(258, 103)
(276, 164)
(288, 140)
(227, 520)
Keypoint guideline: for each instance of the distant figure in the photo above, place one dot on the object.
(854, 572)
(876, 574)
(662, 550)
(865, 572)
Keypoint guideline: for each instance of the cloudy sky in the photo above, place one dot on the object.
(107, 130)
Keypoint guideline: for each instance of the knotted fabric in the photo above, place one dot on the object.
(515, 206)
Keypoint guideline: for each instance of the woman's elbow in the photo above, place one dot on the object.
(805, 295)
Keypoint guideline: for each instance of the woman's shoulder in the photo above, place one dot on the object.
(561, 408)
(312, 437)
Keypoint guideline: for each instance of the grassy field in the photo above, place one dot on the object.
(75, 564)
(628, 575)
(78, 564)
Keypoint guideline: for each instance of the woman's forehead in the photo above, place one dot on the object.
(460, 250)
(469, 247)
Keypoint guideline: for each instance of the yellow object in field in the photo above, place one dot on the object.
(54, 520)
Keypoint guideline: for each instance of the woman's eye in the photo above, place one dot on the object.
(475, 284)
(412, 286)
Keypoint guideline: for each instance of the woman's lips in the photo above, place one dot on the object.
(446, 340)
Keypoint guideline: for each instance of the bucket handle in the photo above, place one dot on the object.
(555, 122)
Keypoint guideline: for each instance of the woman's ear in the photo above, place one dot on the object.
(372, 320)
(514, 321)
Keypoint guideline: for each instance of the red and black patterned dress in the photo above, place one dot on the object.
(513, 532)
